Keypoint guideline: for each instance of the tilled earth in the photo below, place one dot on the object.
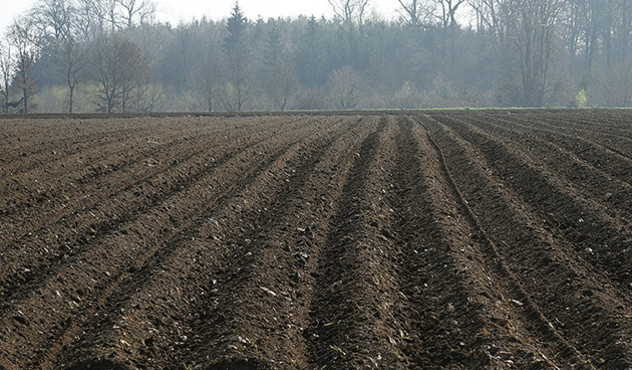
(430, 240)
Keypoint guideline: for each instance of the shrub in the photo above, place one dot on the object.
(581, 99)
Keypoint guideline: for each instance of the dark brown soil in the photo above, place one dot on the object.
(416, 240)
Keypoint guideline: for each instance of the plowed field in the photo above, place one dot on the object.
(430, 240)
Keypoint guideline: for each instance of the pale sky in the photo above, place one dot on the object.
(175, 10)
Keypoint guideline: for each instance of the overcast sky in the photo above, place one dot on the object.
(175, 10)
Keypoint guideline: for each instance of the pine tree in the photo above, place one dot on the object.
(236, 48)
(274, 47)
(236, 27)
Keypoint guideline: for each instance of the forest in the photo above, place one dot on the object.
(114, 56)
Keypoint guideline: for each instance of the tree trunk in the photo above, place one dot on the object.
(26, 106)
(5, 106)
(70, 97)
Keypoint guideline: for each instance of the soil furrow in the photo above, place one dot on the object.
(606, 128)
(22, 159)
(444, 239)
(564, 351)
(46, 201)
(274, 253)
(577, 121)
(575, 299)
(79, 168)
(619, 143)
(353, 314)
(172, 295)
(611, 160)
(95, 335)
(612, 195)
(46, 204)
(72, 235)
(124, 250)
(587, 226)
(74, 141)
(457, 318)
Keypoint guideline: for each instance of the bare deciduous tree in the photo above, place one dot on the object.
(344, 86)
(445, 11)
(614, 23)
(349, 11)
(119, 69)
(150, 98)
(88, 21)
(7, 65)
(136, 10)
(281, 79)
(208, 75)
(92, 18)
(53, 18)
(531, 28)
(111, 14)
(413, 11)
(281, 85)
(487, 15)
(26, 40)
(72, 66)
(208, 87)
(616, 89)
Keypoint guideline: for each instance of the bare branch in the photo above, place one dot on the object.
(349, 11)
(141, 10)
(7, 65)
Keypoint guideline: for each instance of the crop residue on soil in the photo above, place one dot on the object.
(422, 240)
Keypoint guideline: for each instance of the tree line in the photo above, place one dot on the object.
(113, 56)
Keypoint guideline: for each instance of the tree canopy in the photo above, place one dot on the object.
(511, 53)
